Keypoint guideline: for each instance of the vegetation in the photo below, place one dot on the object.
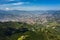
(24, 31)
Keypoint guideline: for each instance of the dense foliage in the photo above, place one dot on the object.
(24, 31)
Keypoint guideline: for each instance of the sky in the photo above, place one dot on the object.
(30, 5)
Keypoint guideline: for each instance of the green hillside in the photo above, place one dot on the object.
(24, 31)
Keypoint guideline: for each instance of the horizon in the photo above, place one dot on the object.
(26, 10)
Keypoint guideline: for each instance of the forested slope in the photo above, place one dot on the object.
(24, 31)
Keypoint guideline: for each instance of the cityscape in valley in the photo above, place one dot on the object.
(29, 19)
(33, 17)
(36, 24)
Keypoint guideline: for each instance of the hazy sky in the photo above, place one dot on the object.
(30, 4)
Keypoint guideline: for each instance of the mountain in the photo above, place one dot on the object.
(40, 17)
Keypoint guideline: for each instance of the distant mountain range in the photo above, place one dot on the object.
(30, 16)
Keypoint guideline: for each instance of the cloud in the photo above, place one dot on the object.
(7, 8)
(11, 0)
(12, 6)
(15, 4)
(18, 3)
